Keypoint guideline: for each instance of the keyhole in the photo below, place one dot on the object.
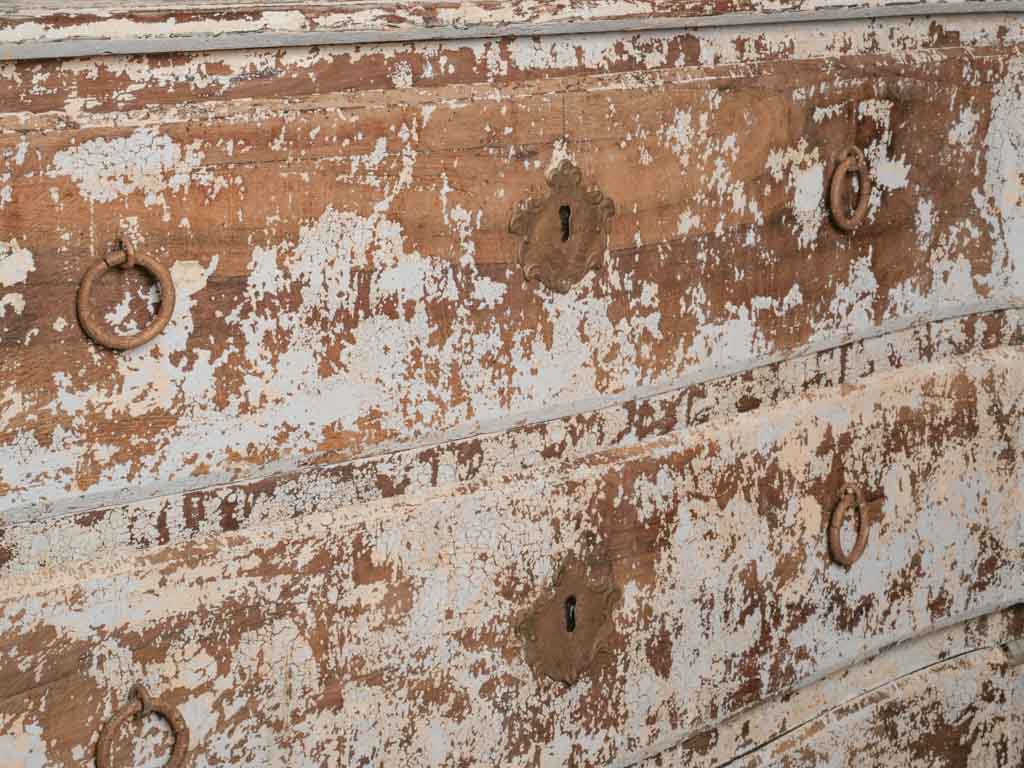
(570, 613)
(565, 212)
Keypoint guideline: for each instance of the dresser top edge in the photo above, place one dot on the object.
(33, 31)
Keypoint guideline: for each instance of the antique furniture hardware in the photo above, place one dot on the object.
(568, 626)
(140, 705)
(852, 498)
(124, 257)
(851, 163)
(564, 234)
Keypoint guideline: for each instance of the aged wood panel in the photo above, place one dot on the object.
(756, 734)
(965, 711)
(392, 641)
(37, 547)
(46, 28)
(348, 286)
(74, 89)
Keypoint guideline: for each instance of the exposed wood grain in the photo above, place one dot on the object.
(71, 91)
(40, 546)
(311, 515)
(35, 30)
(348, 284)
(392, 641)
(909, 707)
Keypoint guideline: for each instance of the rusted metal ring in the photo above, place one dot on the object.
(852, 162)
(142, 704)
(125, 258)
(852, 497)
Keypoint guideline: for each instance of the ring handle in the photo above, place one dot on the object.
(852, 162)
(852, 497)
(125, 257)
(140, 705)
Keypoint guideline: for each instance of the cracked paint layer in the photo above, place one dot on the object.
(309, 514)
(358, 289)
(716, 538)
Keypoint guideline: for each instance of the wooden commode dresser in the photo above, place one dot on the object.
(522, 383)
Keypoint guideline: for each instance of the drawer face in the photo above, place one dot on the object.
(312, 641)
(965, 712)
(346, 282)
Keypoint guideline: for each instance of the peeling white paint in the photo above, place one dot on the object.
(15, 264)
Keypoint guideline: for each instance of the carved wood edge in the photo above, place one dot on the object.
(56, 31)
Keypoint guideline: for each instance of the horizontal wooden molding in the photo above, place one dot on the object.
(47, 29)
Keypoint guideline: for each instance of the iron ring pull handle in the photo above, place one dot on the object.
(852, 497)
(125, 257)
(852, 162)
(140, 705)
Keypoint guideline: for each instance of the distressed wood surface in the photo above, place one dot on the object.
(73, 91)
(346, 282)
(965, 712)
(963, 707)
(391, 641)
(49, 28)
(40, 547)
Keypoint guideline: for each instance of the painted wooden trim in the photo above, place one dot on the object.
(46, 30)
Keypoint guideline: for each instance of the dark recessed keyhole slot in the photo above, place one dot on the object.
(570, 613)
(565, 213)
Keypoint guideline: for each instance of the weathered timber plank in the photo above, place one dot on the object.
(966, 711)
(37, 547)
(72, 91)
(392, 641)
(337, 301)
(37, 30)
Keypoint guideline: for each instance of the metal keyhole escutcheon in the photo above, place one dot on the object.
(570, 623)
(564, 234)
(140, 705)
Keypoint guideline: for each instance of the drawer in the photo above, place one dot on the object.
(964, 712)
(416, 635)
(955, 698)
(36, 546)
(346, 281)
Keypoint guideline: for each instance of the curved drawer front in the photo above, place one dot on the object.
(673, 584)
(345, 276)
(969, 711)
(965, 712)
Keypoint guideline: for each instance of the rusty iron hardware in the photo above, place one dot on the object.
(565, 234)
(124, 257)
(141, 705)
(852, 497)
(569, 625)
(851, 162)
